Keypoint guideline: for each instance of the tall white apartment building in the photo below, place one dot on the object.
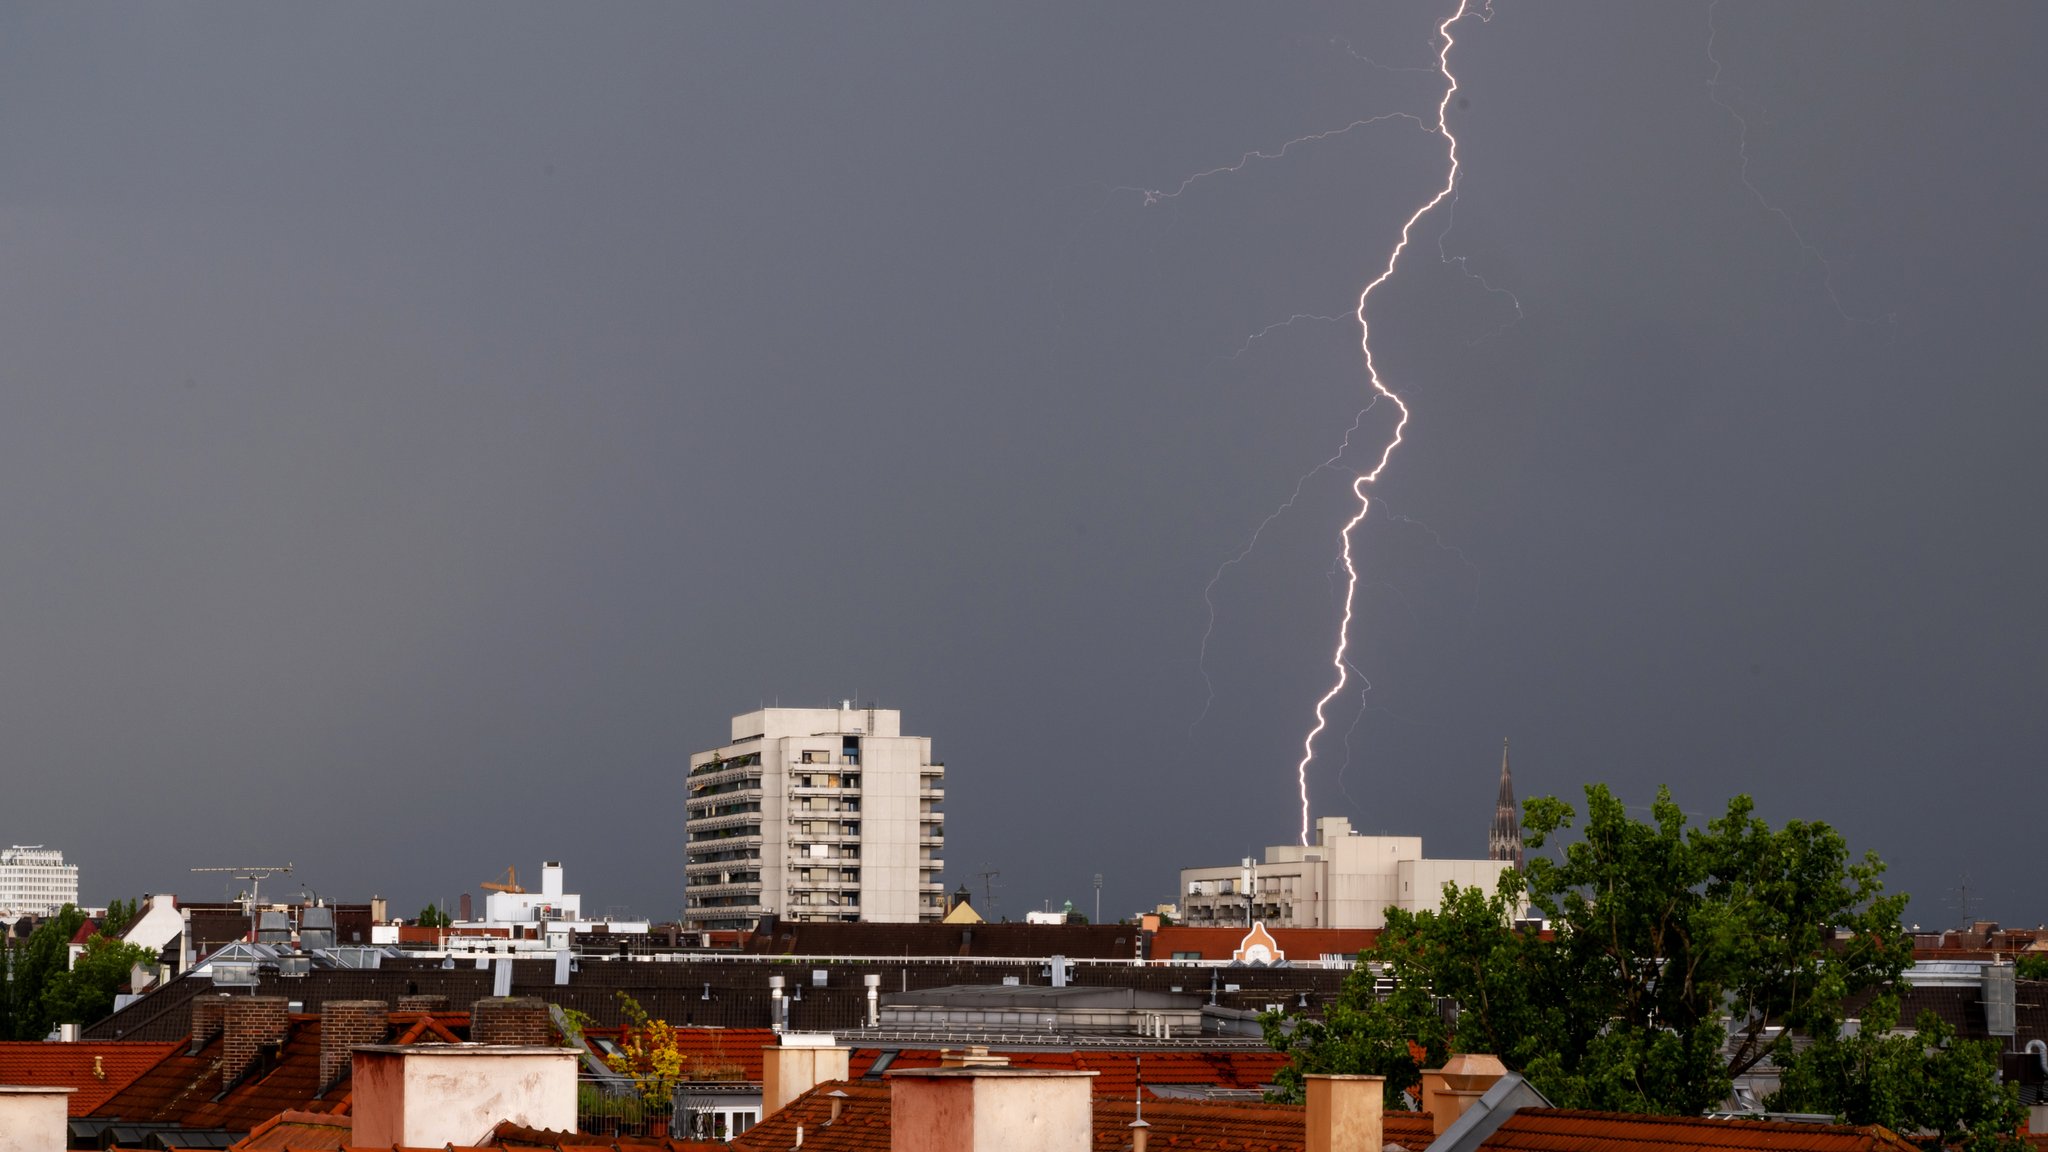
(35, 880)
(815, 814)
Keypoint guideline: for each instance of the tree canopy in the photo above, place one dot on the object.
(1675, 956)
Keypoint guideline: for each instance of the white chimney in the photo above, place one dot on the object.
(435, 1095)
(32, 1118)
(800, 1063)
(551, 878)
(986, 1109)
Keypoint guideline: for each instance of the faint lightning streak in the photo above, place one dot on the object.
(1465, 267)
(1208, 599)
(1827, 270)
(1357, 55)
(1287, 323)
(1154, 195)
(1359, 487)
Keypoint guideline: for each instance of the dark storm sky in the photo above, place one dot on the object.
(424, 426)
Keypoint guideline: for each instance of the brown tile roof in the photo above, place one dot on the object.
(863, 1124)
(299, 1131)
(189, 1090)
(98, 1069)
(1562, 1130)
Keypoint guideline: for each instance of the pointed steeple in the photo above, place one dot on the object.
(1505, 841)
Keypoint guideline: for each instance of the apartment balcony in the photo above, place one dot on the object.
(749, 888)
(717, 799)
(718, 773)
(699, 867)
(932, 793)
(700, 824)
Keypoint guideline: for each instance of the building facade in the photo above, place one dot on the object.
(35, 880)
(1341, 880)
(815, 814)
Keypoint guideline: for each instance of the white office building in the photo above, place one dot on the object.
(1341, 880)
(36, 881)
(815, 814)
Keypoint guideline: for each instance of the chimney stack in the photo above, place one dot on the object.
(33, 1118)
(208, 1011)
(983, 1109)
(1345, 1113)
(800, 1063)
(436, 1095)
(422, 1002)
(250, 1024)
(1449, 1090)
(510, 1020)
(344, 1025)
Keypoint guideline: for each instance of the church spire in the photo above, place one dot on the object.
(1505, 841)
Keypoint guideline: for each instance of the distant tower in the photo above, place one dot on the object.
(1505, 841)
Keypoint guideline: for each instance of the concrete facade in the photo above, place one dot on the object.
(1342, 880)
(36, 881)
(815, 814)
(435, 1095)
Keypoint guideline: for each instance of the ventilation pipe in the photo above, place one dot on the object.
(778, 1008)
(873, 980)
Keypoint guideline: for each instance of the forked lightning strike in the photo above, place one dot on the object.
(1155, 195)
(1361, 486)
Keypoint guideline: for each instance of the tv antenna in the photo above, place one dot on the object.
(988, 890)
(255, 874)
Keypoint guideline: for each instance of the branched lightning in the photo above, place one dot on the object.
(1361, 487)
(1827, 270)
(1340, 42)
(1287, 323)
(1155, 195)
(1208, 590)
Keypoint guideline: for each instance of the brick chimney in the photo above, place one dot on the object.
(1345, 1112)
(422, 1002)
(1449, 1090)
(208, 1010)
(33, 1119)
(346, 1024)
(985, 1109)
(800, 1063)
(511, 1020)
(250, 1023)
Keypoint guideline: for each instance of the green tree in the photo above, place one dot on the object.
(84, 994)
(1924, 1080)
(1666, 940)
(2031, 966)
(120, 914)
(36, 960)
(433, 917)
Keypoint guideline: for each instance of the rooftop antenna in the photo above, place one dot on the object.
(988, 890)
(255, 874)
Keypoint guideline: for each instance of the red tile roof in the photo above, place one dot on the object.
(299, 1131)
(182, 1087)
(1561, 1130)
(863, 1124)
(98, 1069)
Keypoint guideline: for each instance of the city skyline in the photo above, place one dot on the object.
(422, 437)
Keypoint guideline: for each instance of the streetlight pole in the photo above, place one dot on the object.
(1098, 898)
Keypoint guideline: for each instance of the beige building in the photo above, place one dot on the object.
(1342, 880)
(815, 814)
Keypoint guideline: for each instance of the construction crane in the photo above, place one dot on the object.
(509, 884)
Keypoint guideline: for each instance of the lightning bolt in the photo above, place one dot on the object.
(1287, 323)
(1155, 195)
(1362, 486)
(1827, 270)
(1208, 590)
